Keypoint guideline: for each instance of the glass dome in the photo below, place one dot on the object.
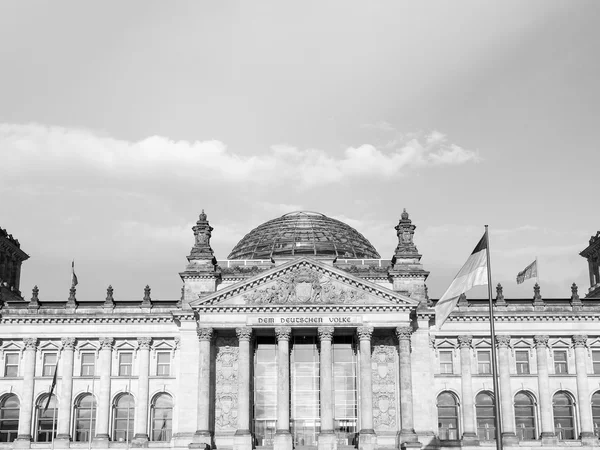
(303, 234)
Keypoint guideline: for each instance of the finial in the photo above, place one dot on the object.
(203, 216)
(34, 294)
(536, 291)
(576, 302)
(500, 296)
(147, 294)
(574, 289)
(404, 215)
(72, 300)
(109, 293)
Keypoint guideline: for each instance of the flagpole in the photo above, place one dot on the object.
(537, 271)
(493, 342)
(92, 408)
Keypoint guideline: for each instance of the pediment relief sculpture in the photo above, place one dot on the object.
(304, 286)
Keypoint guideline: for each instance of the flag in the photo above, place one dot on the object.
(52, 386)
(473, 273)
(73, 276)
(529, 272)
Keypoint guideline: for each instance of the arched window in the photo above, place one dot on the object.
(596, 412)
(47, 415)
(162, 417)
(564, 417)
(123, 416)
(447, 410)
(85, 418)
(486, 417)
(525, 416)
(9, 418)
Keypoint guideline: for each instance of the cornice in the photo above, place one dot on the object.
(312, 308)
(530, 316)
(74, 319)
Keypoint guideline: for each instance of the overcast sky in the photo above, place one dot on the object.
(120, 121)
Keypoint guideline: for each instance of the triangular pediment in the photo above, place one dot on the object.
(304, 282)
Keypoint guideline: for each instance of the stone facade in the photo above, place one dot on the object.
(303, 352)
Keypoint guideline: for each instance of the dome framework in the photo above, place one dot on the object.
(303, 233)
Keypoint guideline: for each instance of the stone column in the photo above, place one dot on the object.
(541, 351)
(103, 413)
(283, 438)
(66, 391)
(367, 440)
(509, 437)
(466, 382)
(583, 391)
(26, 413)
(326, 436)
(202, 437)
(243, 438)
(141, 411)
(407, 436)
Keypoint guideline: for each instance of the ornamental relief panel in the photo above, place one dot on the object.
(226, 391)
(305, 286)
(384, 373)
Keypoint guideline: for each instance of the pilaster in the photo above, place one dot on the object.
(283, 437)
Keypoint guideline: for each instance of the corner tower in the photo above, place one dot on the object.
(406, 273)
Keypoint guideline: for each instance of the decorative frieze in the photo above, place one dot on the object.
(384, 376)
(226, 388)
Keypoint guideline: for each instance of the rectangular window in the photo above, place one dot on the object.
(560, 361)
(11, 364)
(125, 363)
(163, 364)
(596, 361)
(88, 361)
(484, 365)
(522, 358)
(49, 365)
(446, 365)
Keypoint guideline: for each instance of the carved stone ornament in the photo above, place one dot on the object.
(465, 341)
(30, 343)
(503, 341)
(144, 343)
(384, 376)
(68, 343)
(325, 333)
(204, 333)
(106, 343)
(579, 340)
(404, 333)
(226, 389)
(283, 333)
(177, 342)
(244, 333)
(541, 340)
(364, 333)
(304, 286)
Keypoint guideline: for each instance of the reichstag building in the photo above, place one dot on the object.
(303, 338)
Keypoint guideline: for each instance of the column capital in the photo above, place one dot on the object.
(283, 333)
(204, 333)
(541, 340)
(404, 333)
(144, 343)
(30, 343)
(325, 333)
(579, 340)
(68, 343)
(465, 341)
(502, 341)
(364, 333)
(106, 343)
(244, 333)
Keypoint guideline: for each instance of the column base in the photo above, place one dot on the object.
(140, 440)
(549, 438)
(367, 440)
(590, 439)
(282, 440)
(408, 436)
(22, 441)
(409, 445)
(469, 439)
(327, 440)
(100, 441)
(509, 438)
(202, 440)
(243, 440)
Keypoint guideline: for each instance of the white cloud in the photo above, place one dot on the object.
(54, 151)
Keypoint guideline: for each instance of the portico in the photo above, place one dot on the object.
(293, 353)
